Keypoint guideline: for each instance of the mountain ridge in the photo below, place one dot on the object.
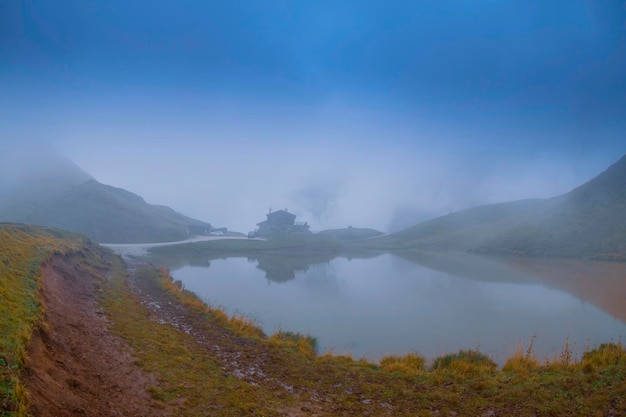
(58, 193)
(586, 222)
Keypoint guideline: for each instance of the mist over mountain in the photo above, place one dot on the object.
(50, 190)
(37, 174)
(587, 222)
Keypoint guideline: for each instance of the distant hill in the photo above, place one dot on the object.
(587, 222)
(351, 233)
(37, 176)
(59, 194)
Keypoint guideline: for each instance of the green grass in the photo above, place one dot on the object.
(190, 380)
(351, 233)
(465, 362)
(294, 251)
(296, 342)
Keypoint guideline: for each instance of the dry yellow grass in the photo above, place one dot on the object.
(409, 364)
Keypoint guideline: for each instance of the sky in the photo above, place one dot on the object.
(362, 113)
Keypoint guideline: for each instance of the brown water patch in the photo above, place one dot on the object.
(602, 284)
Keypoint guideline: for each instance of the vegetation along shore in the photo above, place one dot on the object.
(85, 334)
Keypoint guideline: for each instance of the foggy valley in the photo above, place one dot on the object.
(312, 208)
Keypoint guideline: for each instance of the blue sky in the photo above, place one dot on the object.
(347, 112)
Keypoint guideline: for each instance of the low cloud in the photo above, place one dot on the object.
(231, 174)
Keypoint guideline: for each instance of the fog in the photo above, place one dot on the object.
(329, 184)
(367, 116)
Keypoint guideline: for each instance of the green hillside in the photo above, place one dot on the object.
(57, 193)
(587, 222)
(351, 233)
(104, 214)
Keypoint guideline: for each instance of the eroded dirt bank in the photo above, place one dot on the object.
(76, 366)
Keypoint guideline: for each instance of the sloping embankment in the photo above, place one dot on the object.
(76, 365)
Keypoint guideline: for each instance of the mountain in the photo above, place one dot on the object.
(37, 176)
(56, 192)
(587, 222)
(351, 233)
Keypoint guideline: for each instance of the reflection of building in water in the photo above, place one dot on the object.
(278, 222)
(280, 269)
(284, 268)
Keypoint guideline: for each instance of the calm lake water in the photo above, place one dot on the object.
(433, 304)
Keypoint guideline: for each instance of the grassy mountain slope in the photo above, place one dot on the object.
(57, 193)
(589, 221)
(105, 214)
(351, 233)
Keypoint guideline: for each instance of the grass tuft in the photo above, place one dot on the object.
(465, 362)
(521, 364)
(296, 342)
(605, 355)
(411, 363)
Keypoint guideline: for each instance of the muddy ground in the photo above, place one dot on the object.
(76, 366)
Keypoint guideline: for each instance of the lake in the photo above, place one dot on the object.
(434, 304)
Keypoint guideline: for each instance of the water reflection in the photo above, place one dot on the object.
(280, 269)
(371, 304)
(600, 283)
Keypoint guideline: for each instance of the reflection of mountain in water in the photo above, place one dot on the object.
(600, 283)
(175, 262)
(474, 267)
(280, 268)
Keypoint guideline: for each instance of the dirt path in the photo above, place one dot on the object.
(76, 366)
